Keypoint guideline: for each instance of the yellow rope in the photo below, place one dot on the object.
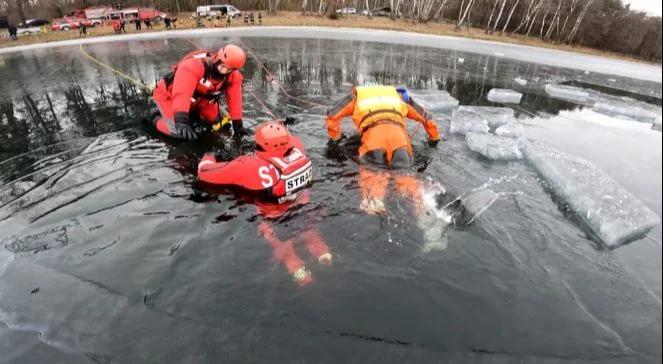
(133, 80)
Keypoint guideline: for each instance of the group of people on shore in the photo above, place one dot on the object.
(215, 21)
(169, 22)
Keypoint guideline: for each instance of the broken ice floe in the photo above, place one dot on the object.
(634, 110)
(567, 93)
(512, 129)
(611, 213)
(479, 119)
(504, 96)
(493, 147)
(436, 101)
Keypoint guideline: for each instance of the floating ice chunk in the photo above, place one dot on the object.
(493, 147)
(610, 212)
(504, 96)
(463, 124)
(512, 129)
(567, 93)
(634, 110)
(436, 100)
(475, 115)
(520, 81)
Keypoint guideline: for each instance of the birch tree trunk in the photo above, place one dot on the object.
(497, 21)
(574, 30)
(508, 19)
(464, 14)
(554, 20)
(490, 18)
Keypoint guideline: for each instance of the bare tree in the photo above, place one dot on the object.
(497, 21)
(574, 30)
(490, 18)
(508, 19)
(462, 15)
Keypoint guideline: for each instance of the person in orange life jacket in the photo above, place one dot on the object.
(191, 91)
(379, 114)
(280, 172)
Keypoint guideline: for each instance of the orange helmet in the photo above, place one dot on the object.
(231, 55)
(272, 136)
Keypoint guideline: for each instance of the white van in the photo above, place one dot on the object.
(218, 10)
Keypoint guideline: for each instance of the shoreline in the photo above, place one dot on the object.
(289, 18)
(526, 53)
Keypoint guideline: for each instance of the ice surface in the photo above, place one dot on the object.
(504, 96)
(611, 213)
(493, 147)
(435, 100)
(512, 129)
(632, 109)
(467, 208)
(567, 93)
(479, 118)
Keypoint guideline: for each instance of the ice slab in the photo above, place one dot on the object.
(504, 96)
(611, 213)
(567, 93)
(493, 147)
(520, 81)
(479, 119)
(512, 129)
(630, 109)
(435, 100)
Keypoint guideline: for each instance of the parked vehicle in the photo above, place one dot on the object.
(69, 23)
(366, 13)
(218, 10)
(95, 14)
(143, 14)
(346, 11)
(33, 23)
(28, 30)
(384, 11)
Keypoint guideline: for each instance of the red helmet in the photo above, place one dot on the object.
(272, 136)
(231, 55)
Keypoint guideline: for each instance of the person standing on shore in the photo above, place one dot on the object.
(13, 32)
(82, 30)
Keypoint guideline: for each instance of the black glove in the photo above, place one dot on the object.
(239, 130)
(183, 129)
(337, 141)
(433, 143)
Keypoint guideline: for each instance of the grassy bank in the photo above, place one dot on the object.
(352, 21)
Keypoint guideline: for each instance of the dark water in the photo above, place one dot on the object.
(115, 254)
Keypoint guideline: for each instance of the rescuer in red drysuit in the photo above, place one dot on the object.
(192, 88)
(280, 171)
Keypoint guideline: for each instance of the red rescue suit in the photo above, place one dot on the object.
(285, 180)
(190, 88)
